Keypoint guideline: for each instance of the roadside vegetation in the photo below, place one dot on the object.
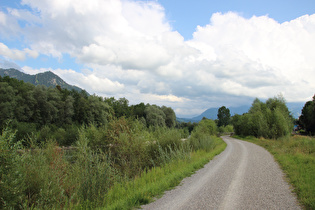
(270, 125)
(296, 156)
(119, 166)
(63, 149)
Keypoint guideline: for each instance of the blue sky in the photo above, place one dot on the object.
(186, 15)
(189, 55)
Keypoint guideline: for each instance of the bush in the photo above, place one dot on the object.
(11, 175)
(226, 129)
(201, 135)
(269, 120)
(24, 129)
(48, 176)
(92, 175)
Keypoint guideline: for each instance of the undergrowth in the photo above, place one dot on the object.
(117, 166)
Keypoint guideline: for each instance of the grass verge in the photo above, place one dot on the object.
(154, 182)
(296, 156)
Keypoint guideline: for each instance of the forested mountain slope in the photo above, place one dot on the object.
(47, 79)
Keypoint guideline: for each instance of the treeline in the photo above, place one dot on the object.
(58, 113)
(110, 152)
(271, 119)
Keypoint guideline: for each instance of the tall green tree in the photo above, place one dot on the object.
(223, 116)
(138, 110)
(170, 117)
(7, 102)
(307, 118)
(154, 116)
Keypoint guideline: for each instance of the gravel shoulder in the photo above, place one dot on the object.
(244, 176)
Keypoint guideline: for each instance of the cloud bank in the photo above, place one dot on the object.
(129, 49)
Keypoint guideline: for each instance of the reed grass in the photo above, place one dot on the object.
(120, 166)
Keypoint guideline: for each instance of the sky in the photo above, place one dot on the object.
(188, 55)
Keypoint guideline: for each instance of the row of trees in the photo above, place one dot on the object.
(34, 108)
(271, 119)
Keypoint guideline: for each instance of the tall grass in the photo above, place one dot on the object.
(154, 182)
(11, 176)
(122, 164)
(296, 156)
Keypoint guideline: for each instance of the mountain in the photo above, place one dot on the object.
(213, 112)
(294, 107)
(47, 79)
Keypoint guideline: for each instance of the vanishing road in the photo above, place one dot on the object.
(244, 176)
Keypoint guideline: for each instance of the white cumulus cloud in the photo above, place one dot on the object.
(16, 54)
(129, 49)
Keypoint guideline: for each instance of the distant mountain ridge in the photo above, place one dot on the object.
(48, 78)
(211, 113)
(294, 107)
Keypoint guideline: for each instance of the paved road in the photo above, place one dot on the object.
(244, 176)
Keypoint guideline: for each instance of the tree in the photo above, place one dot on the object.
(223, 116)
(99, 110)
(138, 110)
(307, 118)
(67, 111)
(170, 117)
(155, 116)
(121, 107)
(269, 120)
(7, 102)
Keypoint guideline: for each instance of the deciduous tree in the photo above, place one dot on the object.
(223, 116)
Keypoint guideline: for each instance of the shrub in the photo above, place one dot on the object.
(11, 175)
(201, 135)
(269, 120)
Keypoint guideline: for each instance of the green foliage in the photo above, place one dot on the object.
(92, 171)
(154, 116)
(138, 110)
(11, 176)
(223, 116)
(23, 129)
(307, 118)
(189, 126)
(48, 176)
(7, 102)
(54, 113)
(202, 135)
(30, 106)
(269, 120)
(226, 129)
(153, 183)
(170, 117)
(106, 149)
(207, 127)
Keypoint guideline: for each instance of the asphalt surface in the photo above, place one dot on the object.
(244, 176)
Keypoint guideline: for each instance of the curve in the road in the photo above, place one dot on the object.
(244, 176)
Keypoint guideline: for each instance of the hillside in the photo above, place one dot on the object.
(47, 79)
